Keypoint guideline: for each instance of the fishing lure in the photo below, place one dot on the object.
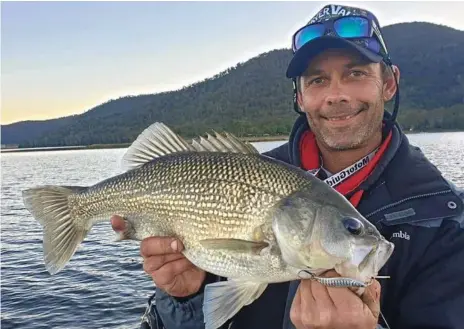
(335, 282)
(344, 282)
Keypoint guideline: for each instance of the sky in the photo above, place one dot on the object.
(63, 58)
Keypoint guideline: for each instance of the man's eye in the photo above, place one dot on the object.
(316, 81)
(357, 73)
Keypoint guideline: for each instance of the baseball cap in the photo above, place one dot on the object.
(336, 26)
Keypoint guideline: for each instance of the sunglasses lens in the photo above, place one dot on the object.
(352, 27)
(307, 34)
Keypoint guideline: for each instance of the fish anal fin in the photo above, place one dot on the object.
(224, 299)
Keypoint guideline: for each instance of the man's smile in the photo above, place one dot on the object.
(342, 118)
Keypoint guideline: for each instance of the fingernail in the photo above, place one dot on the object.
(174, 245)
(115, 228)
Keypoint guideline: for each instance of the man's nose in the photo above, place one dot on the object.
(336, 94)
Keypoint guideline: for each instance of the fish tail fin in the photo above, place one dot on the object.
(49, 205)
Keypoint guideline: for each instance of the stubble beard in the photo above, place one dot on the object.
(351, 137)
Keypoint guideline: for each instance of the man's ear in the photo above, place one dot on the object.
(298, 96)
(298, 100)
(389, 87)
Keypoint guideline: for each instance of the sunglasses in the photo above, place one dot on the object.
(349, 27)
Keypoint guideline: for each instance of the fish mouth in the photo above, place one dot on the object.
(361, 256)
(376, 259)
(366, 261)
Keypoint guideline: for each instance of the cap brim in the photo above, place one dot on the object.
(301, 58)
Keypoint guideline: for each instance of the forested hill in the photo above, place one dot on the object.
(254, 98)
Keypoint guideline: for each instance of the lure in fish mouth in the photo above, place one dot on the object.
(325, 232)
(240, 215)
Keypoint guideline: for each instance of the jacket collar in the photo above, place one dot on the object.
(403, 174)
(301, 126)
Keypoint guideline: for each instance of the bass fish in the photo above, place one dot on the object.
(240, 214)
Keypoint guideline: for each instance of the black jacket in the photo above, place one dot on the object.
(413, 206)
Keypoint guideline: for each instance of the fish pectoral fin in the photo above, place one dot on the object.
(222, 300)
(246, 246)
(158, 140)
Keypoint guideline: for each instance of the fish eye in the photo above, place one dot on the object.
(353, 225)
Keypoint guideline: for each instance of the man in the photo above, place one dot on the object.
(343, 77)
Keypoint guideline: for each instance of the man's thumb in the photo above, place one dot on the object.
(371, 297)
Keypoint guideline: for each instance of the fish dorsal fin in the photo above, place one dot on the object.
(158, 140)
(155, 141)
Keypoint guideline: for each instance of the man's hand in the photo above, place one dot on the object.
(316, 306)
(164, 262)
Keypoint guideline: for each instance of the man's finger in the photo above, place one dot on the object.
(118, 223)
(321, 295)
(342, 298)
(322, 292)
(322, 307)
(371, 297)
(306, 292)
(154, 246)
(154, 263)
(167, 273)
(295, 310)
(335, 291)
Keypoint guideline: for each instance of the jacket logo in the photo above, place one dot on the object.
(401, 235)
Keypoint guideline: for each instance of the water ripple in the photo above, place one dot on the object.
(103, 286)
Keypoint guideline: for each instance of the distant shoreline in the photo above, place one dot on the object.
(125, 145)
(255, 139)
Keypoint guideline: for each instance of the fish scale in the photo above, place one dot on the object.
(239, 215)
(222, 204)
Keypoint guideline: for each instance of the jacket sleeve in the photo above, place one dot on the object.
(432, 295)
(167, 312)
(174, 313)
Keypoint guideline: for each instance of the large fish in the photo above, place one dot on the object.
(239, 214)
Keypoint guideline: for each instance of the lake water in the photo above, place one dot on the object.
(103, 286)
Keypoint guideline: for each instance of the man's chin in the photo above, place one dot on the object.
(341, 141)
(342, 147)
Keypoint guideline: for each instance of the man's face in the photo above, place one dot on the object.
(343, 98)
